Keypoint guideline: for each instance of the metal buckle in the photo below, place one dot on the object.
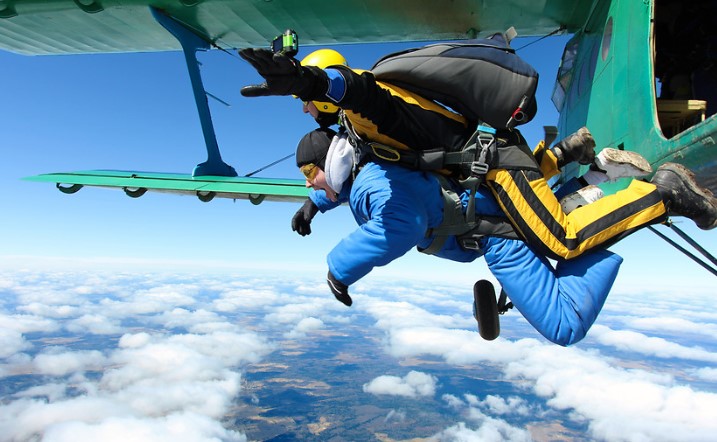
(471, 244)
(485, 139)
(478, 168)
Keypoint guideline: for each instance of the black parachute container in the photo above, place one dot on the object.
(484, 80)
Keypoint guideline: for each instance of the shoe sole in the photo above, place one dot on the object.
(583, 197)
(627, 158)
(485, 310)
(688, 179)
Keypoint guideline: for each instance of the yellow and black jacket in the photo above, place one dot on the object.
(395, 117)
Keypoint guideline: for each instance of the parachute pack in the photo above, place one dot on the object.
(484, 80)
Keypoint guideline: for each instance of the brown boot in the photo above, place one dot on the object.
(684, 197)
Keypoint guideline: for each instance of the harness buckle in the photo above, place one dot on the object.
(485, 140)
(472, 243)
(479, 168)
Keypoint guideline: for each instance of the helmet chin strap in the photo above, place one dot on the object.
(325, 119)
(339, 162)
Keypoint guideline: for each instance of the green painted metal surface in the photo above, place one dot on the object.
(82, 26)
(206, 187)
(611, 90)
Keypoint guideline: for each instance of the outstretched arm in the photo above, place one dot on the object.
(406, 118)
(393, 228)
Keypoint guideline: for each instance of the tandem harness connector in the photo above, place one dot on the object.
(485, 140)
(473, 160)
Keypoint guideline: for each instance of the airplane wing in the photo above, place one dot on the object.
(46, 27)
(206, 188)
(37, 27)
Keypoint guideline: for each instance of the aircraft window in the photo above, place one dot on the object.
(565, 73)
(606, 39)
(587, 67)
(558, 96)
(685, 63)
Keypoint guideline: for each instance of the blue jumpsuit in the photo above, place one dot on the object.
(394, 208)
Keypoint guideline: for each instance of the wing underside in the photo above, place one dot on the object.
(36, 27)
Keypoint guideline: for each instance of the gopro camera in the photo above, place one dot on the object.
(286, 43)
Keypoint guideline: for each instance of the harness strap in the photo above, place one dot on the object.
(454, 222)
(503, 304)
(465, 227)
(486, 226)
(478, 156)
(472, 160)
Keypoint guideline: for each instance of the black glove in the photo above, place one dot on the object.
(339, 289)
(301, 222)
(284, 76)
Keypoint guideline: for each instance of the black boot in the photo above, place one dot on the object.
(579, 147)
(682, 195)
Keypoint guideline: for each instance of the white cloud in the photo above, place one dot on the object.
(176, 427)
(245, 298)
(414, 384)
(57, 362)
(631, 341)
(25, 418)
(294, 313)
(94, 324)
(618, 403)
(456, 346)
(134, 340)
(195, 321)
(306, 325)
(453, 401)
(309, 324)
(152, 386)
(52, 392)
(50, 311)
(11, 342)
(706, 373)
(398, 314)
(27, 323)
(499, 405)
(489, 430)
(148, 301)
(156, 386)
(681, 326)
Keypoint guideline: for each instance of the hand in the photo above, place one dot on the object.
(301, 222)
(284, 75)
(339, 289)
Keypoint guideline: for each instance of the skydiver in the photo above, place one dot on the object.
(609, 165)
(398, 118)
(397, 209)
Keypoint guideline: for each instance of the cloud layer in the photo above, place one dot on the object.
(164, 357)
(414, 384)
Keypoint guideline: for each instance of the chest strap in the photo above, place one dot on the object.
(465, 226)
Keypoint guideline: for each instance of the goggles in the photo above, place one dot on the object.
(310, 171)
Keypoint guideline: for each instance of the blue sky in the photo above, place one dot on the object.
(136, 112)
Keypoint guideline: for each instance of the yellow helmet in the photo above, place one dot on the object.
(324, 58)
